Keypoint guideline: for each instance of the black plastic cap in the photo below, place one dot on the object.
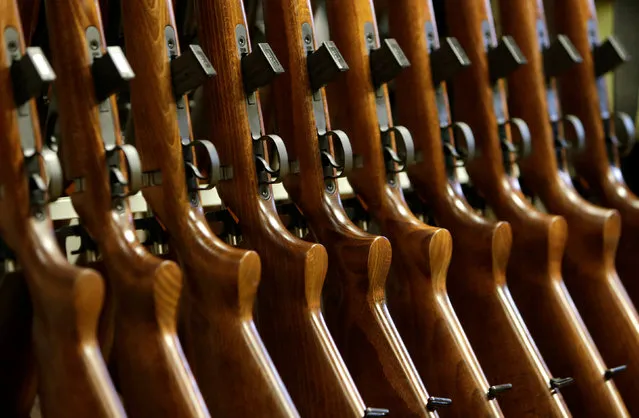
(30, 74)
(324, 65)
(447, 61)
(260, 67)
(608, 56)
(111, 72)
(190, 70)
(560, 56)
(505, 58)
(387, 62)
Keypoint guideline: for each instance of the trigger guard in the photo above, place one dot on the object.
(394, 157)
(525, 145)
(346, 152)
(449, 149)
(577, 141)
(134, 167)
(53, 172)
(467, 132)
(214, 161)
(625, 132)
(406, 151)
(283, 167)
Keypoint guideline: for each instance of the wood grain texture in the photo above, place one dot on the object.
(72, 377)
(589, 264)
(477, 275)
(289, 315)
(354, 291)
(154, 377)
(602, 179)
(534, 270)
(417, 288)
(229, 361)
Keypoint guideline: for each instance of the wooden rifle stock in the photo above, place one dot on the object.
(153, 375)
(354, 292)
(585, 95)
(588, 267)
(538, 239)
(289, 313)
(72, 377)
(417, 289)
(503, 345)
(232, 367)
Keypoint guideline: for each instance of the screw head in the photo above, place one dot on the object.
(307, 39)
(369, 37)
(241, 41)
(94, 45)
(13, 46)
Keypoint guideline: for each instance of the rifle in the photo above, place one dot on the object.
(588, 267)
(503, 344)
(538, 239)
(607, 136)
(230, 363)
(288, 309)
(354, 291)
(153, 375)
(416, 291)
(72, 377)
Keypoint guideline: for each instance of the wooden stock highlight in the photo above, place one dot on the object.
(589, 266)
(417, 288)
(538, 239)
(154, 377)
(289, 313)
(232, 367)
(354, 292)
(72, 377)
(477, 275)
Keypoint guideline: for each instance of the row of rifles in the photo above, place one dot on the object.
(509, 294)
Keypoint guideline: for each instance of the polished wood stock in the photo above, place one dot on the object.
(153, 375)
(289, 313)
(597, 165)
(354, 292)
(417, 287)
(534, 270)
(588, 267)
(232, 367)
(72, 377)
(477, 275)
